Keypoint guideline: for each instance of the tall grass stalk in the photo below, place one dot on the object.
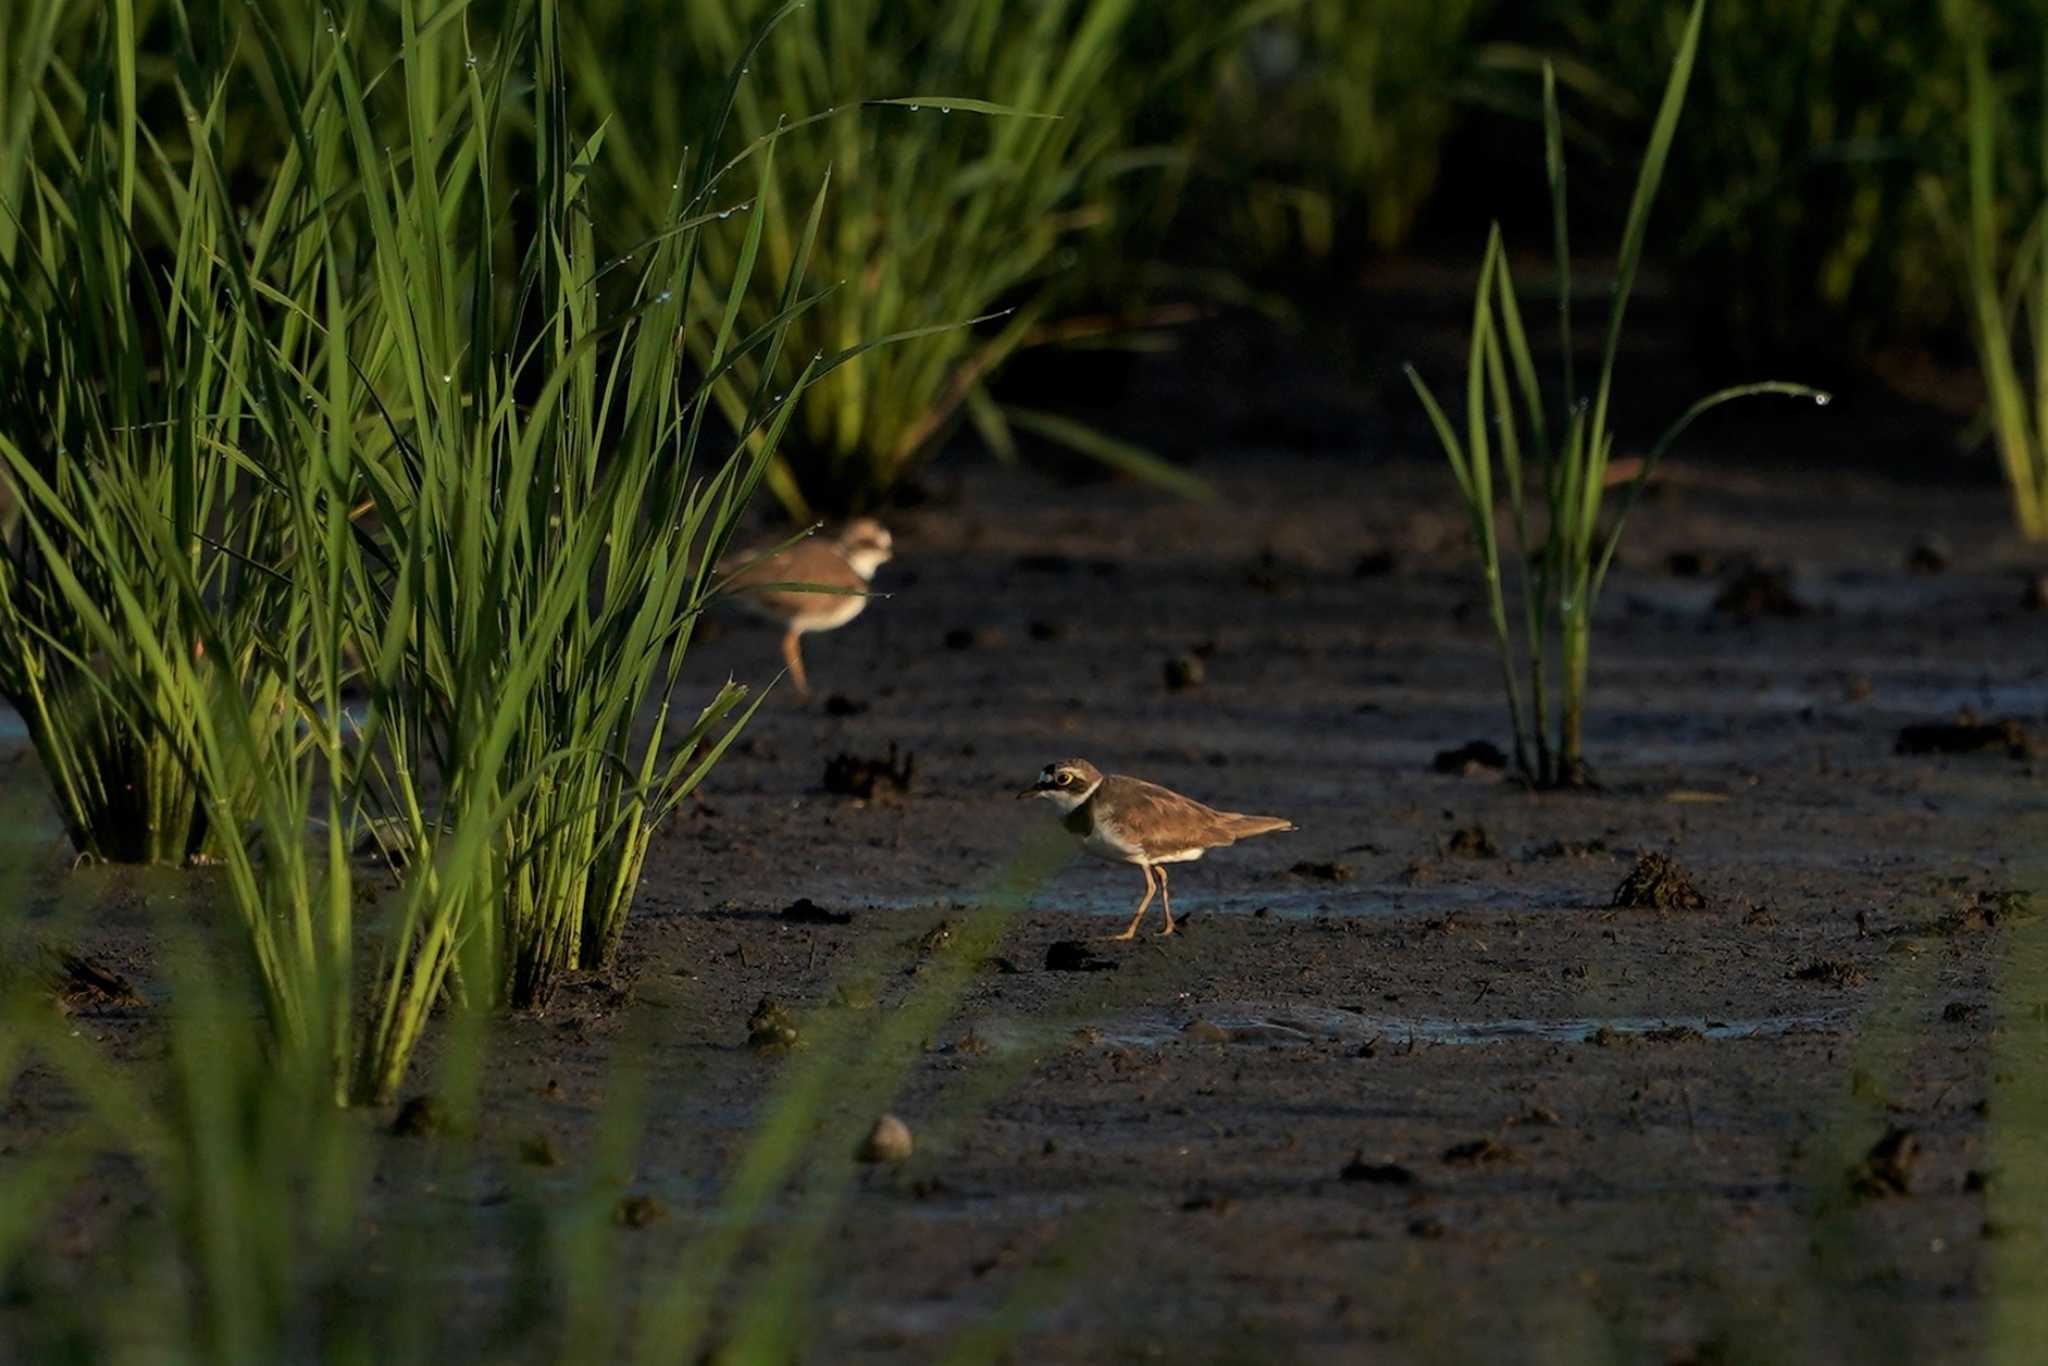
(1561, 574)
(2008, 304)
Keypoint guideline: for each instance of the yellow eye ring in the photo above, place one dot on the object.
(1066, 778)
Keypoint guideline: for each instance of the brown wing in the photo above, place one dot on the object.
(805, 562)
(1165, 821)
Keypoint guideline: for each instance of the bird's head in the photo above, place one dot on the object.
(1066, 784)
(867, 546)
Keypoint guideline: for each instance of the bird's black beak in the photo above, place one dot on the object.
(1033, 791)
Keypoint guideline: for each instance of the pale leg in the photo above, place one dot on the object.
(1132, 932)
(792, 655)
(1165, 900)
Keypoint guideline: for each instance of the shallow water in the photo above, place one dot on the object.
(1271, 1023)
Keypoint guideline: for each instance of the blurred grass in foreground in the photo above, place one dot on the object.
(252, 1221)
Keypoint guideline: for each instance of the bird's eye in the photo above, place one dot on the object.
(1066, 778)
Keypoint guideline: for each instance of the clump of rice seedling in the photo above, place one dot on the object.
(949, 209)
(119, 389)
(1326, 126)
(466, 524)
(2008, 309)
(1562, 573)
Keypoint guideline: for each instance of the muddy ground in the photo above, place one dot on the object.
(1408, 1087)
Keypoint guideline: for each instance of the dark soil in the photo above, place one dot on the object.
(1657, 883)
(1353, 1116)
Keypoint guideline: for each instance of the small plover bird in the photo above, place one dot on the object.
(1128, 820)
(781, 584)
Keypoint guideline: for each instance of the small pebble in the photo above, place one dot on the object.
(888, 1141)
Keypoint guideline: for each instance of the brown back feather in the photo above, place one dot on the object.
(1173, 823)
(809, 561)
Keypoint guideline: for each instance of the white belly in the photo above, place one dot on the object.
(1104, 845)
(824, 611)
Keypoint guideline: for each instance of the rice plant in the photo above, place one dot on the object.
(458, 527)
(1793, 206)
(545, 613)
(1561, 574)
(2005, 281)
(111, 380)
(975, 150)
(1326, 127)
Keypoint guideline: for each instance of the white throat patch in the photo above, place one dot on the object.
(865, 560)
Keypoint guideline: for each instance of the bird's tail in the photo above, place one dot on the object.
(1243, 826)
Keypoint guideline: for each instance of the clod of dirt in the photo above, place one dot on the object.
(1966, 734)
(1959, 1012)
(1679, 1033)
(1760, 591)
(1375, 564)
(1474, 756)
(1929, 555)
(998, 964)
(1887, 1169)
(839, 704)
(888, 1141)
(1477, 1152)
(1376, 1173)
(1321, 871)
(804, 911)
(1208, 1204)
(771, 1028)
(1606, 1036)
(1472, 841)
(1204, 1031)
(1425, 1227)
(1073, 955)
(973, 638)
(1271, 575)
(638, 1211)
(538, 1150)
(1656, 883)
(937, 939)
(1981, 910)
(1184, 673)
(79, 983)
(1691, 564)
(855, 995)
(1831, 972)
(1047, 630)
(420, 1117)
(968, 1045)
(851, 775)
(1571, 849)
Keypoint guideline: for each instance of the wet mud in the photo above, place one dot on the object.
(1413, 1081)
